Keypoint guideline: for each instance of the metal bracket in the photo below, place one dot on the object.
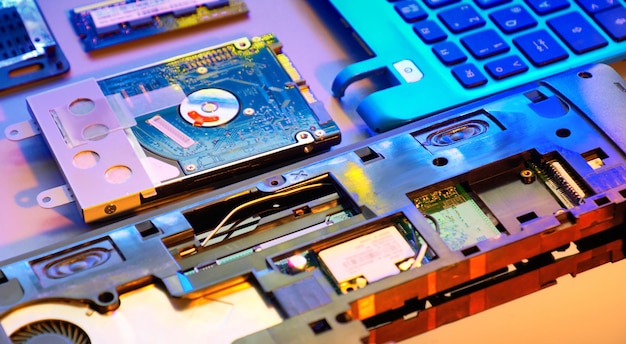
(55, 197)
(22, 130)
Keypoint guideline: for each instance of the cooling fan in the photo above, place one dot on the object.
(50, 331)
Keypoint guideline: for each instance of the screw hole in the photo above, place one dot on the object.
(440, 161)
(563, 132)
(82, 106)
(344, 318)
(106, 297)
(585, 75)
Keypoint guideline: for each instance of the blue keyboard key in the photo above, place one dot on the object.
(577, 33)
(490, 3)
(506, 67)
(542, 7)
(449, 53)
(484, 44)
(410, 11)
(613, 22)
(595, 6)
(540, 48)
(438, 3)
(513, 19)
(462, 18)
(429, 31)
(469, 76)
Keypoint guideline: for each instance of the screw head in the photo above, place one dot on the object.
(110, 209)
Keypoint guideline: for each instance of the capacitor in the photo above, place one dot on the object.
(360, 282)
(297, 263)
(527, 176)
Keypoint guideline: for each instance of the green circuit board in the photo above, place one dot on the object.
(219, 106)
(108, 23)
(460, 221)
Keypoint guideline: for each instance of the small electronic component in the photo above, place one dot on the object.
(297, 262)
(559, 179)
(112, 22)
(28, 51)
(460, 221)
(366, 259)
(462, 214)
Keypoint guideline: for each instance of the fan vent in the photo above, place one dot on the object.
(50, 331)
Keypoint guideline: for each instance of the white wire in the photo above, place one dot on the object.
(252, 202)
(420, 256)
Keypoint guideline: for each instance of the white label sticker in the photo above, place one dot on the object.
(373, 256)
(114, 15)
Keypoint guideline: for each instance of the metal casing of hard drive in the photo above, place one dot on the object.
(222, 113)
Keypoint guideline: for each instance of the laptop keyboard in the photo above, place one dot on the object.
(569, 32)
(439, 54)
